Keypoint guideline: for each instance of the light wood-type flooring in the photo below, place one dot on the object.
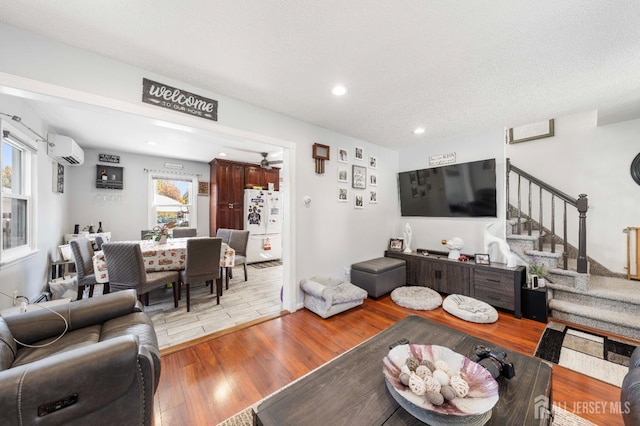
(217, 377)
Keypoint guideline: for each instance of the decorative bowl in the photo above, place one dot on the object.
(473, 409)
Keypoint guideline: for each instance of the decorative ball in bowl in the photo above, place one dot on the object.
(439, 386)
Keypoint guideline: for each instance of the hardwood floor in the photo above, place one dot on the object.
(212, 380)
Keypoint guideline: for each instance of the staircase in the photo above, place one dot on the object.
(605, 301)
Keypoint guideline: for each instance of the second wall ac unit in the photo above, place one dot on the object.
(65, 150)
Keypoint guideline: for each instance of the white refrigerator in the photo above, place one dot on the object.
(263, 220)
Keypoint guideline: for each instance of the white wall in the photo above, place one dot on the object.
(30, 275)
(327, 236)
(583, 158)
(429, 232)
(123, 212)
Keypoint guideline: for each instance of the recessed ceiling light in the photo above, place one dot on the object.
(152, 143)
(222, 154)
(339, 90)
(419, 130)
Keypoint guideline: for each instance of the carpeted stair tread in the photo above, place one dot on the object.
(597, 291)
(619, 318)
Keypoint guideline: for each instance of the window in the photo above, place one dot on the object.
(173, 200)
(16, 160)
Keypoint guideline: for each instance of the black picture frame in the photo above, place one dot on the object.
(482, 259)
(396, 244)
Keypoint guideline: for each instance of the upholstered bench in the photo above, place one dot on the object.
(379, 276)
(328, 296)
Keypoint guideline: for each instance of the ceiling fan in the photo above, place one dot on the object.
(266, 164)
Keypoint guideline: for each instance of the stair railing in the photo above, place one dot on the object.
(581, 204)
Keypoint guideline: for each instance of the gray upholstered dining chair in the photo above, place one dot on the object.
(82, 250)
(144, 233)
(238, 241)
(184, 232)
(225, 234)
(100, 240)
(126, 270)
(202, 265)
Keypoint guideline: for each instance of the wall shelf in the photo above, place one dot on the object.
(110, 177)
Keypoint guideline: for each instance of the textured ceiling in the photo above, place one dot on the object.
(453, 67)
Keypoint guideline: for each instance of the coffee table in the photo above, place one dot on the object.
(350, 389)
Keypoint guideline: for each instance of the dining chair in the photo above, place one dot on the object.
(184, 232)
(238, 241)
(202, 265)
(144, 233)
(225, 234)
(82, 250)
(126, 270)
(100, 240)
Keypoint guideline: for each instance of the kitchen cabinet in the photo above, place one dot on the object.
(257, 176)
(228, 182)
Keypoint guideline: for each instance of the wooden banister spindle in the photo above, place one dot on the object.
(565, 254)
(553, 224)
(541, 220)
(530, 224)
(582, 205)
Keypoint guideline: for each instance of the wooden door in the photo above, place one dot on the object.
(227, 204)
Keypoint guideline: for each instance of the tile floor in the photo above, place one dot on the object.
(244, 301)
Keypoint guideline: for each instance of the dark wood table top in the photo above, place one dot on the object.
(350, 389)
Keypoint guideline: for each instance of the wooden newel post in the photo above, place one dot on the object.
(582, 205)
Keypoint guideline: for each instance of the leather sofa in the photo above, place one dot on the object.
(98, 366)
(630, 391)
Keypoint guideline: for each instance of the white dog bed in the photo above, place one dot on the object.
(416, 297)
(470, 309)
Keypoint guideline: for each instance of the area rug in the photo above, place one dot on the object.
(560, 418)
(601, 357)
(269, 264)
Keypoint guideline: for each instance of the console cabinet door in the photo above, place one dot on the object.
(447, 277)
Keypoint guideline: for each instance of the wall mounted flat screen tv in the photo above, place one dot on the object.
(455, 190)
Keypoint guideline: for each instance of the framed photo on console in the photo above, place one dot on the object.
(396, 244)
(482, 258)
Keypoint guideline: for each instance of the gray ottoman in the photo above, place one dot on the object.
(379, 276)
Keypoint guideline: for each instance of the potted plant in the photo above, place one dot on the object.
(160, 233)
(539, 270)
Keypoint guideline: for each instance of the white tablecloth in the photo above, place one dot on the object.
(161, 257)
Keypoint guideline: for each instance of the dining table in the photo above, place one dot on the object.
(169, 256)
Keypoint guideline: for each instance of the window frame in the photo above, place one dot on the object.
(193, 196)
(29, 178)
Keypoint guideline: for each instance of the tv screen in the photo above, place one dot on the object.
(456, 190)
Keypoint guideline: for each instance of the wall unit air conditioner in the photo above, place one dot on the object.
(64, 150)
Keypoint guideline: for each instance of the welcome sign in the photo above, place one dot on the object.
(178, 100)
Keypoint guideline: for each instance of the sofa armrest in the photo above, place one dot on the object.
(630, 397)
(40, 324)
(312, 287)
(105, 374)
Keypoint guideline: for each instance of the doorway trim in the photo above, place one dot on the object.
(41, 91)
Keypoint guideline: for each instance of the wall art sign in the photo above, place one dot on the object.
(108, 158)
(442, 159)
(179, 100)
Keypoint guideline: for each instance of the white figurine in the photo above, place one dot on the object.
(454, 245)
(503, 246)
(407, 238)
